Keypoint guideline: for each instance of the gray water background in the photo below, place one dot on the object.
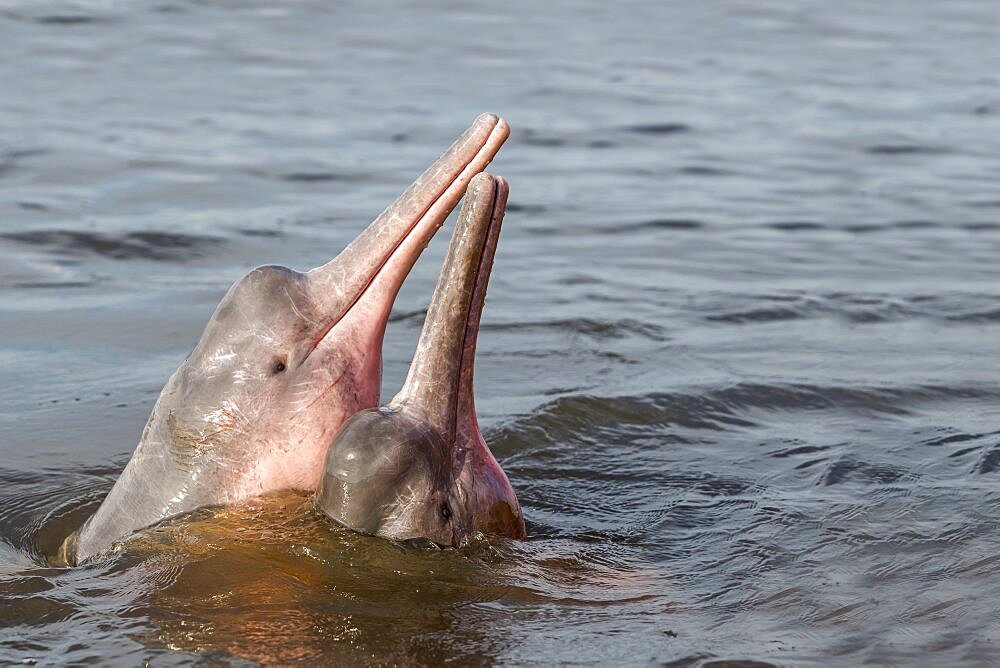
(740, 356)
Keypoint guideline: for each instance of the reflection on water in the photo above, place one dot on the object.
(738, 359)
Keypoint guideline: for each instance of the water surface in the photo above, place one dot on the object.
(740, 355)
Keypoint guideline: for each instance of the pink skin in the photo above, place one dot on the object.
(285, 360)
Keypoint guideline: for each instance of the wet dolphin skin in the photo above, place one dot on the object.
(284, 361)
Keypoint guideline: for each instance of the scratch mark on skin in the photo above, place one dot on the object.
(297, 311)
(190, 445)
(243, 313)
(301, 391)
(329, 387)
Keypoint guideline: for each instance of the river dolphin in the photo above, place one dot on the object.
(419, 468)
(286, 358)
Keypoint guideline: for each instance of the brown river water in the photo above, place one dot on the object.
(740, 358)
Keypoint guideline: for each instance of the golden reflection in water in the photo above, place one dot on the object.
(272, 581)
(275, 582)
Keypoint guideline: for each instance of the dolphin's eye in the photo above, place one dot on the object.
(279, 366)
(445, 511)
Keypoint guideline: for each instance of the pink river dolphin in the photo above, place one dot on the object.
(285, 360)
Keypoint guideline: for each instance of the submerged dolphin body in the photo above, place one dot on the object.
(419, 467)
(284, 361)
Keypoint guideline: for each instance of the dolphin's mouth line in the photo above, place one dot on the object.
(474, 307)
(439, 383)
(462, 176)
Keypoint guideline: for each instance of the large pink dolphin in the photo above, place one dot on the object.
(284, 361)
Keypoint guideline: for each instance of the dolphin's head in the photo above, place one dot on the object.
(288, 356)
(419, 467)
(284, 361)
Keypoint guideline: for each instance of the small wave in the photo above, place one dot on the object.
(416, 315)
(264, 233)
(992, 315)
(49, 285)
(800, 450)
(989, 461)
(915, 224)
(592, 417)
(904, 149)
(655, 224)
(658, 128)
(863, 228)
(887, 227)
(845, 469)
(587, 140)
(70, 18)
(39, 509)
(984, 204)
(597, 329)
(796, 226)
(159, 246)
(67, 19)
(10, 159)
(535, 139)
(759, 315)
(854, 307)
(532, 209)
(704, 170)
(309, 177)
(952, 438)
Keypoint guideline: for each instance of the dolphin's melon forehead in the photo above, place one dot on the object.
(378, 446)
(272, 303)
(368, 464)
(264, 289)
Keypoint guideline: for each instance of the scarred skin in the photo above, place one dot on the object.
(419, 466)
(284, 361)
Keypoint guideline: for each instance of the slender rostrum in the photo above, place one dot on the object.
(439, 381)
(284, 361)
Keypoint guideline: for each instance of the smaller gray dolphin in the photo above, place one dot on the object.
(419, 466)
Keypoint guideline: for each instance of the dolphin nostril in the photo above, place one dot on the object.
(445, 511)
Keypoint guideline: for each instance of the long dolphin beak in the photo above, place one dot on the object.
(439, 383)
(368, 273)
